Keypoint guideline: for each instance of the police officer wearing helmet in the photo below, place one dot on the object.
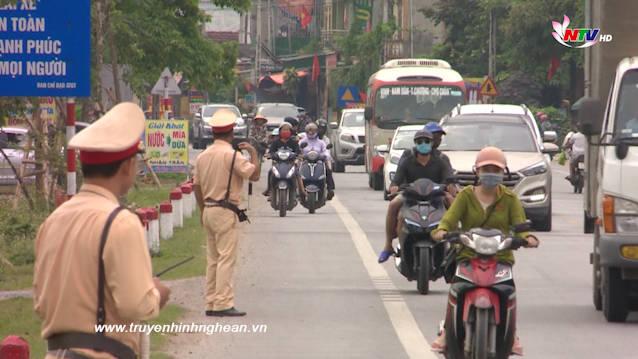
(220, 172)
(92, 264)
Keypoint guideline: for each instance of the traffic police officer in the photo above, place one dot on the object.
(220, 172)
(91, 257)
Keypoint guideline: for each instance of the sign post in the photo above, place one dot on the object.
(166, 86)
(488, 88)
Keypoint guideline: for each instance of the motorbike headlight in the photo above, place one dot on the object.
(291, 172)
(313, 155)
(395, 160)
(413, 226)
(283, 155)
(347, 138)
(486, 245)
(536, 169)
(275, 172)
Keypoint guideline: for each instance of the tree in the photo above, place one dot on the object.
(291, 82)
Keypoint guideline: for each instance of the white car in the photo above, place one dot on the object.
(348, 138)
(402, 140)
(530, 169)
(12, 141)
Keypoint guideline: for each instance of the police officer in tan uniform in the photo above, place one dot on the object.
(92, 264)
(218, 193)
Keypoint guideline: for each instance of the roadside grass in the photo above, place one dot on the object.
(18, 318)
(18, 229)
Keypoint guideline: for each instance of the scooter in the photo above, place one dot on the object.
(284, 193)
(418, 257)
(313, 176)
(480, 321)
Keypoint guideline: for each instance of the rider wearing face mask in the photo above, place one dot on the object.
(422, 165)
(488, 205)
(286, 140)
(318, 145)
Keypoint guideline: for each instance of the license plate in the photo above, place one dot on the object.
(581, 165)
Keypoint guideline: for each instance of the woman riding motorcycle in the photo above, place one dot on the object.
(286, 140)
(488, 205)
(318, 145)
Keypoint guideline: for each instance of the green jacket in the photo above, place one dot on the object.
(506, 212)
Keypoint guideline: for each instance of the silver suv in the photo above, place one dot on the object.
(202, 133)
(530, 174)
(348, 138)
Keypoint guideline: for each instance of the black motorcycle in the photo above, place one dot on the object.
(313, 176)
(418, 256)
(284, 183)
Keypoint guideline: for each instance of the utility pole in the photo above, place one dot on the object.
(411, 29)
(270, 24)
(258, 43)
(491, 71)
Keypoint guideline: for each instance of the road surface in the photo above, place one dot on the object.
(314, 281)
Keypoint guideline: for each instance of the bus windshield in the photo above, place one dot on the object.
(408, 105)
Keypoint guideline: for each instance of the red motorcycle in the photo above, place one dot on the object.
(480, 321)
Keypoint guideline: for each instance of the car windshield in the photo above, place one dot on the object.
(209, 111)
(404, 105)
(278, 111)
(10, 139)
(404, 140)
(353, 119)
(627, 115)
(475, 135)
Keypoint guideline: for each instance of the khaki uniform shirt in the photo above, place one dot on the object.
(212, 169)
(66, 268)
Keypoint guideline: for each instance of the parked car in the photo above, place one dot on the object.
(402, 140)
(275, 113)
(12, 141)
(530, 175)
(348, 137)
(202, 132)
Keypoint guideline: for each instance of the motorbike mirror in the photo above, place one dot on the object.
(304, 145)
(522, 227)
(329, 146)
(367, 113)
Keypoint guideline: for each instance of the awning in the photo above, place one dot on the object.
(277, 78)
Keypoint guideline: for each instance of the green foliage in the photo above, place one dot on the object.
(291, 82)
(362, 52)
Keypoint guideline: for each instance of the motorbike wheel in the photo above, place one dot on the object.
(481, 336)
(312, 202)
(423, 271)
(283, 202)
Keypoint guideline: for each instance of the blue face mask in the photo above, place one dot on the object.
(424, 148)
(491, 180)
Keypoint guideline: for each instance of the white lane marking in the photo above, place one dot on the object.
(410, 336)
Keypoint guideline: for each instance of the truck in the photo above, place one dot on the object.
(608, 116)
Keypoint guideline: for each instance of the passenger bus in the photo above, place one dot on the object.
(406, 92)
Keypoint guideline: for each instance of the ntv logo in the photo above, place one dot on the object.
(588, 37)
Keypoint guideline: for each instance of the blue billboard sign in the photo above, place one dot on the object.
(45, 48)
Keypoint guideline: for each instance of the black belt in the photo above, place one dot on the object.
(95, 342)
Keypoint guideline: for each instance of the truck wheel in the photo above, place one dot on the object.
(615, 303)
(596, 274)
(339, 167)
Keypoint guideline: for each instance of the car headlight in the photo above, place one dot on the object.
(536, 169)
(291, 172)
(240, 122)
(620, 215)
(486, 245)
(395, 160)
(346, 137)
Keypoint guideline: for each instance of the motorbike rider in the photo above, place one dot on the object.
(286, 140)
(437, 136)
(315, 144)
(294, 123)
(487, 205)
(421, 165)
(576, 147)
(322, 124)
(259, 134)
